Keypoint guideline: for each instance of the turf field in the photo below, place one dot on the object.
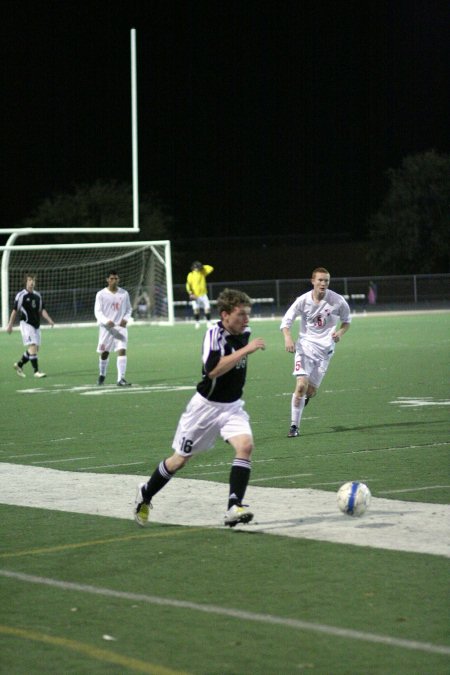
(84, 593)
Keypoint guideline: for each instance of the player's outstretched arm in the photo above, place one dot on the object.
(289, 343)
(229, 361)
(255, 344)
(339, 333)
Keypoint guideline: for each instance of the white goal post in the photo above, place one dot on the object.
(69, 276)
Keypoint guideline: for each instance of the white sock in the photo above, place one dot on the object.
(121, 367)
(297, 410)
(103, 366)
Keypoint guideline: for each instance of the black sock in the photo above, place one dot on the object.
(159, 478)
(23, 360)
(239, 477)
(34, 362)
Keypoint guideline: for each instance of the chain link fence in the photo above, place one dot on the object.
(364, 294)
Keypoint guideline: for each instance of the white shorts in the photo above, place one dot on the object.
(203, 421)
(30, 334)
(201, 301)
(112, 339)
(311, 365)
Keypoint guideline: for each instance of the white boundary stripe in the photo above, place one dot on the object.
(298, 624)
(415, 489)
(303, 513)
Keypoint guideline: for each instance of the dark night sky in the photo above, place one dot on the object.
(255, 117)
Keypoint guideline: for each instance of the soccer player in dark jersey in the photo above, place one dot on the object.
(29, 304)
(216, 409)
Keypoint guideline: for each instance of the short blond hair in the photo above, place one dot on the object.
(320, 270)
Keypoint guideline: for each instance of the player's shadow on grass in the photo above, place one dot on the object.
(340, 428)
(360, 523)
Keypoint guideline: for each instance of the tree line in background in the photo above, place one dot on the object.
(408, 234)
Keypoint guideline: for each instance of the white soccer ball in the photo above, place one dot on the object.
(353, 498)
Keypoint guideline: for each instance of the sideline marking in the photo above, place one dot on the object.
(306, 513)
(291, 475)
(96, 653)
(60, 461)
(405, 402)
(111, 540)
(233, 613)
(95, 390)
(108, 466)
(416, 489)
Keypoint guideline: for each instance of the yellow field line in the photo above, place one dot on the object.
(97, 542)
(89, 650)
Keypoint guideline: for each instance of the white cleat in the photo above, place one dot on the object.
(237, 514)
(19, 370)
(39, 374)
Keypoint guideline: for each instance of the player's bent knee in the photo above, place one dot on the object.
(176, 462)
(246, 450)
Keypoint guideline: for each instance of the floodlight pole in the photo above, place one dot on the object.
(134, 131)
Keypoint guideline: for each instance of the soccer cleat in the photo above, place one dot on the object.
(123, 383)
(197, 325)
(141, 509)
(293, 431)
(19, 370)
(39, 374)
(237, 513)
(101, 379)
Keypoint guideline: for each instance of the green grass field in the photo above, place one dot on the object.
(92, 594)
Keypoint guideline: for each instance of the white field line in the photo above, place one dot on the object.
(292, 512)
(239, 614)
(415, 489)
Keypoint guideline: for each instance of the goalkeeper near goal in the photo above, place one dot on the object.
(113, 311)
(196, 288)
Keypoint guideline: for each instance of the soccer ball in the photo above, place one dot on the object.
(353, 498)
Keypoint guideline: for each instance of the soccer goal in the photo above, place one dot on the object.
(69, 276)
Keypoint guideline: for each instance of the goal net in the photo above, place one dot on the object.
(69, 276)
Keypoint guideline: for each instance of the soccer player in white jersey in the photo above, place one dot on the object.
(320, 311)
(29, 305)
(113, 311)
(216, 409)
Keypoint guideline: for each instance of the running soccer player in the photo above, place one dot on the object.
(216, 409)
(30, 305)
(320, 311)
(113, 311)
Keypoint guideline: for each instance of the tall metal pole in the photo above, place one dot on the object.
(134, 131)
